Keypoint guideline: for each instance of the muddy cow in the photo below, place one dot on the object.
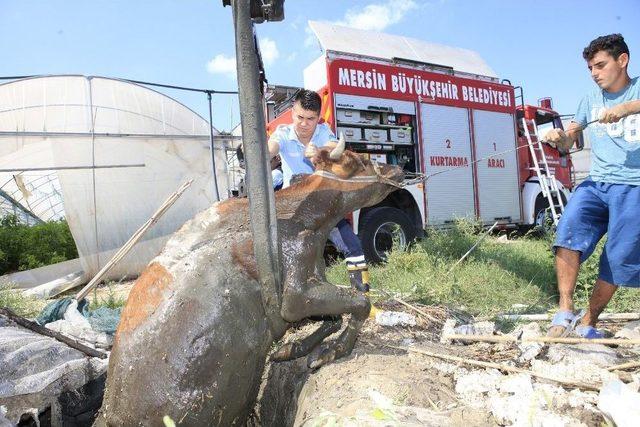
(194, 336)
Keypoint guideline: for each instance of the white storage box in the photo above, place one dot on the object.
(401, 136)
(348, 116)
(369, 118)
(357, 116)
(350, 134)
(375, 135)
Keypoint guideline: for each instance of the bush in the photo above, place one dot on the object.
(25, 247)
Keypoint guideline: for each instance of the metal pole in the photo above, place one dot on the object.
(262, 211)
(213, 153)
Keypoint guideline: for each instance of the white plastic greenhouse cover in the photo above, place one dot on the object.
(150, 143)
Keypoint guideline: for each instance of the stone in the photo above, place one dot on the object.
(447, 329)
(395, 318)
(597, 354)
(629, 331)
(620, 403)
(528, 350)
(478, 328)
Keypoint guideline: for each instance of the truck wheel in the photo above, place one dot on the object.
(542, 221)
(378, 229)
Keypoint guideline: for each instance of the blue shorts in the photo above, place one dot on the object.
(596, 209)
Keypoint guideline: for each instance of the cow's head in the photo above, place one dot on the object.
(361, 181)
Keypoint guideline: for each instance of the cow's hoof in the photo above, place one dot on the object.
(283, 353)
(321, 357)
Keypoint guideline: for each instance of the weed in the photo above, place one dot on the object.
(111, 300)
(494, 278)
(20, 304)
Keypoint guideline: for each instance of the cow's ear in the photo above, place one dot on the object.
(321, 159)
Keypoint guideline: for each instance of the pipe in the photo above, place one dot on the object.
(262, 211)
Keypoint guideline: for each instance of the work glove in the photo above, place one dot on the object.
(310, 151)
(558, 139)
(616, 113)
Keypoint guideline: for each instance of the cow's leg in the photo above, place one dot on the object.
(321, 298)
(296, 349)
(340, 347)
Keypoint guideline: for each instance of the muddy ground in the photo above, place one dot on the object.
(381, 385)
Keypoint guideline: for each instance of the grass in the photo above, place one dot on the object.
(110, 300)
(20, 304)
(30, 307)
(493, 278)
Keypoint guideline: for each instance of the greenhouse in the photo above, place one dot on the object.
(104, 154)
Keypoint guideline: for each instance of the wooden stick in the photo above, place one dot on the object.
(89, 351)
(623, 366)
(535, 317)
(133, 240)
(547, 340)
(501, 367)
(474, 246)
(416, 309)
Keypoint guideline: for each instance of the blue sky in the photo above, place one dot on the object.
(536, 44)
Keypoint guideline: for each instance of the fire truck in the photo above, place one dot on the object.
(437, 111)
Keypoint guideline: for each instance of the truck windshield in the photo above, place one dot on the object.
(547, 121)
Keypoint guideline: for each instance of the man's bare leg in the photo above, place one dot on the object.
(567, 268)
(600, 297)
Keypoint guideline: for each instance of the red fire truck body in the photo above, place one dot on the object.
(462, 131)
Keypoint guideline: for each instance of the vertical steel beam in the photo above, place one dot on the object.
(259, 184)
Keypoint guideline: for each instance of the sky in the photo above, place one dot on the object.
(534, 44)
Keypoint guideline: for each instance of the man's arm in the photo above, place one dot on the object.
(562, 140)
(618, 112)
(274, 146)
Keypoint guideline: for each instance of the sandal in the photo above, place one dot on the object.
(588, 332)
(563, 323)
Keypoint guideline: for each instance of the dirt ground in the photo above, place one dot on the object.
(379, 385)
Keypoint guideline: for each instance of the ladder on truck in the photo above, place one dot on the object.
(546, 179)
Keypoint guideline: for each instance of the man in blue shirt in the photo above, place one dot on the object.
(296, 144)
(608, 202)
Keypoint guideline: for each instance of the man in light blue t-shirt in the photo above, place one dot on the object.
(608, 202)
(296, 144)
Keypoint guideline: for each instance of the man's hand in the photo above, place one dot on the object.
(557, 138)
(618, 112)
(310, 151)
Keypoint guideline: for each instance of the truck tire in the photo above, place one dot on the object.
(542, 220)
(379, 227)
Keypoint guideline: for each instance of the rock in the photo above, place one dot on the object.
(620, 403)
(516, 400)
(474, 386)
(395, 318)
(581, 370)
(478, 328)
(630, 331)
(528, 350)
(598, 354)
(447, 329)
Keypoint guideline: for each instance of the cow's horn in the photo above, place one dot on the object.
(337, 152)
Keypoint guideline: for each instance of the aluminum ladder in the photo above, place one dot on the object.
(546, 179)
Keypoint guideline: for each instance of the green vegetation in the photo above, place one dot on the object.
(25, 247)
(111, 300)
(19, 303)
(493, 278)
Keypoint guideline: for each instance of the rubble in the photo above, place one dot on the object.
(620, 403)
(529, 350)
(597, 354)
(395, 318)
(629, 331)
